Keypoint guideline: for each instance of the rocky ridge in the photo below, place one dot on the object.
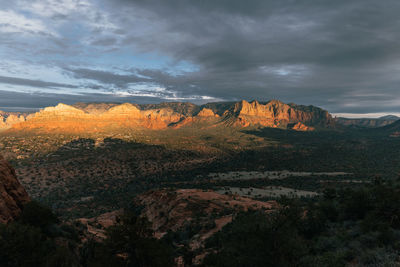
(367, 122)
(275, 114)
(94, 117)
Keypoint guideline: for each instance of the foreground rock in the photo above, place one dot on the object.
(194, 215)
(12, 194)
(187, 216)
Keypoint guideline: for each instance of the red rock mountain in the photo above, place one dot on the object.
(95, 117)
(65, 118)
(12, 195)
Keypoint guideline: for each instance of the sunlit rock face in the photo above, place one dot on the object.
(276, 114)
(88, 118)
(65, 118)
(8, 119)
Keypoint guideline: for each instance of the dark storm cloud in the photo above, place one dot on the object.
(13, 101)
(320, 52)
(33, 83)
(342, 55)
(106, 77)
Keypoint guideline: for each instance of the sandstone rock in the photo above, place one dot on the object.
(99, 117)
(301, 127)
(8, 119)
(65, 118)
(170, 210)
(206, 112)
(204, 119)
(94, 108)
(275, 113)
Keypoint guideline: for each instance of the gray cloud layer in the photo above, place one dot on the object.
(33, 83)
(341, 55)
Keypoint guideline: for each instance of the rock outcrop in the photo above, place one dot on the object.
(12, 194)
(206, 112)
(301, 127)
(276, 114)
(204, 119)
(205, 211)
(170, 210)
(8, 119)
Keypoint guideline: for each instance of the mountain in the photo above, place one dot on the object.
(389, 117)
(95, 118)
(367, 122)
(392, 130)
(184, 108)
(8, 119)
(94, 108)
(98, 117)
(276, 114)
(12, 195)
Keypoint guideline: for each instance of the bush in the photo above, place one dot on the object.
(130, 243)
(37, 215)
(23, 245)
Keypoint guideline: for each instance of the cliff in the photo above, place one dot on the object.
(65, 118)
(97, 117)
(276, 114)
(8, 119)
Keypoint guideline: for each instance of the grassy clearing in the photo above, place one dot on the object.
(250, 175)
(267, 192)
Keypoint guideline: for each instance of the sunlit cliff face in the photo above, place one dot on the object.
(65, 118)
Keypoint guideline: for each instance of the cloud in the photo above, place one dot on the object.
(341, 55)
(309, 52)
(33, 83)
(12, 22)
(106, 77)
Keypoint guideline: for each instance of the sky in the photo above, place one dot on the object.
(343, 55)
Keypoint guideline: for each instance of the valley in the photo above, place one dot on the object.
(190, 170)
(81, 173)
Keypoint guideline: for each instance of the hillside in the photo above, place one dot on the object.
(191, 216)
(367, 122)
(392, 130)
